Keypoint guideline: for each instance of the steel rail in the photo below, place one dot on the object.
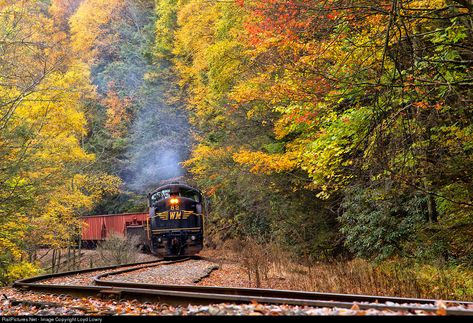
(286, 296)
(277, 293)
(205, 295)
(24, 281)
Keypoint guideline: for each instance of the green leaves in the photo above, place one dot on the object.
(379, 222)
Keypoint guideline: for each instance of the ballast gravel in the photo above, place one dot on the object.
(86, 278)
(184, 273)
(187, 272)
(17, 303)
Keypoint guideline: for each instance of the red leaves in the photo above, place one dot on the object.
(307, 117)
(282, 19)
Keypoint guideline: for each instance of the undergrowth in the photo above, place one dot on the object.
(270, 267)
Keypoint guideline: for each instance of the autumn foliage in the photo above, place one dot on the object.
(361, 105)
(332, 128)
(42, 88)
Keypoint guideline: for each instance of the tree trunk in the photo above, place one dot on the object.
(59, 261)
(432, 209)
(258, 279)
(53, 261)
(68, 257)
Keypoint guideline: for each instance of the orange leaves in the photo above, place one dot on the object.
(442, 308)
(61, 10)
(211, 191)
(427, 105)
(118, 118)
(421, 104)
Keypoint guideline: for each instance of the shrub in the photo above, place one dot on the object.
(118, 249)
(20, 270)
(380, 223)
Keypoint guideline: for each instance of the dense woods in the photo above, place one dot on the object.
(332, 128)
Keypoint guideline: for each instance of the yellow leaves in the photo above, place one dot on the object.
(254, 89)
(43, 129)
(42, 90)
(87, 25)
(426, 4)
(192, 41)
(261, 162)
(21, 270)
(7, 246)
(96, 186)
(58, 222)
(11, 232)
(203, 157)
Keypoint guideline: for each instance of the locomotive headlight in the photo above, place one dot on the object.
(192, 238)
(160, 240)
(174, 201)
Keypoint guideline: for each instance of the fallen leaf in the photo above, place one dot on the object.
(441, 311)
(355, 307)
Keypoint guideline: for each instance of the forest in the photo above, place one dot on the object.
(334, 129)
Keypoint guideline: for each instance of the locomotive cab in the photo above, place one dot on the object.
(176, 220)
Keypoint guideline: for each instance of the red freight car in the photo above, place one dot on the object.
(99, 227)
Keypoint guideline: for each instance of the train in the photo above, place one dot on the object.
(172, 227)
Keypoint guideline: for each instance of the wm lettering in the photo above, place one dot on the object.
(174, 215)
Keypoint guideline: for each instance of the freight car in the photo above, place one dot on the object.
(99, 227)
(173, 227)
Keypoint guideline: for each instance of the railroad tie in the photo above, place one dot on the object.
(110, 294)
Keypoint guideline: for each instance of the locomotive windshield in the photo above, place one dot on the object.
(182, 192)
(161, 195)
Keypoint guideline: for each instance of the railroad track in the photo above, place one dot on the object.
(205, 295)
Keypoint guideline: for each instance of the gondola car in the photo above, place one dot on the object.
(176, 220)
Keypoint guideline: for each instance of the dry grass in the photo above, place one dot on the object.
(270, 267)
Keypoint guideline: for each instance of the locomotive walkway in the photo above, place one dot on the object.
(196, 299)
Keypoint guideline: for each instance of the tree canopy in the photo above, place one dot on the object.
(333, 127)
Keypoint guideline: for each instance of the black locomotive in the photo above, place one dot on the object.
(176, 220)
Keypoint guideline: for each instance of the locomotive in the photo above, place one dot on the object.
(173, 227)
(176, 220)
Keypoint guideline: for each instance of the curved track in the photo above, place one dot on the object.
(204, 295)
